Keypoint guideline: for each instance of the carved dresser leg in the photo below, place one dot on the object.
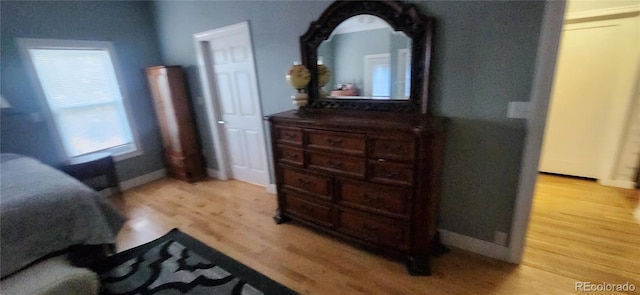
(279, 218)
(419, 266)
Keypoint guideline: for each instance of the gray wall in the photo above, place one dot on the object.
(127, 24)
(484, 56)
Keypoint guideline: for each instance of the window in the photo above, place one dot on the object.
(81, 90)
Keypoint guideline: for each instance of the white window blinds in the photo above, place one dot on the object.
(82, 92)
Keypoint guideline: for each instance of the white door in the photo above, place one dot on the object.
(592, 90)
(377, 75)
(231, 69)
(404, 73)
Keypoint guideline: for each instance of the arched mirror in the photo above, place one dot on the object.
(377, 53)
(367, 59)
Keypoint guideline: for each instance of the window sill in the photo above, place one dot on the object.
(127, 155)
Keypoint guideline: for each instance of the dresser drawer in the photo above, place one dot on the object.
(334, 163)
(176, 162)
(376, 229)
(188, 167)
(301, 207)
(339, 142)
(391, 173)
(290, 155)
(289, 135)
(392, 149)
(378, 198)
(308, 182)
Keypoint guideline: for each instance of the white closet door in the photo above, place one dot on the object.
(595, 75)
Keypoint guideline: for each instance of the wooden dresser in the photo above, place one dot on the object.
(181, 146)
(368, 177)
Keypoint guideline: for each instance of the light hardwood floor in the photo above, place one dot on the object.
(579, 232)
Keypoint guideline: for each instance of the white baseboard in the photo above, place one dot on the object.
(617, 183)
(603, 12)
(143, 179)
(137, 181)
(271, 188)
(213, 173)
(474, 245)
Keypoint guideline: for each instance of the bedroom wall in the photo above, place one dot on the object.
(484, 57)
(128, 24)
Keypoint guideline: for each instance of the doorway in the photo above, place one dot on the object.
(228, 76)
(377, 75)
(579, 227)
(553, 21)
(588, 131)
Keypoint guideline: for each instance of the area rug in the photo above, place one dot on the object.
(179, 264)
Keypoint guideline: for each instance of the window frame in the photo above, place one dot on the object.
(119, 152)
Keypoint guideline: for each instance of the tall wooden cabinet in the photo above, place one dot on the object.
(368, 177)
(181, 145)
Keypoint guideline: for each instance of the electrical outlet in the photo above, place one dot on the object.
(518, 110)
(500, 238)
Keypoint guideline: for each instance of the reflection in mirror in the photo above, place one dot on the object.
(367, 59)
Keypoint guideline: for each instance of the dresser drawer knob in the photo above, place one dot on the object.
(334, 142)
(369, 229)
(304, 182)
(392, 175)
(396, 149)
(371, 200)
(306, 209)
(288, 135)
(291, 156)
(334, 165)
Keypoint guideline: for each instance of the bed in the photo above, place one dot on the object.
(44, 212)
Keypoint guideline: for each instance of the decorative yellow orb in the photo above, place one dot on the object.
(298, 76)
(324, 74)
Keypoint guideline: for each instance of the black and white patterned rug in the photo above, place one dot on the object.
(179, 264)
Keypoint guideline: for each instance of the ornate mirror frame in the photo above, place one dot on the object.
(402, 17)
